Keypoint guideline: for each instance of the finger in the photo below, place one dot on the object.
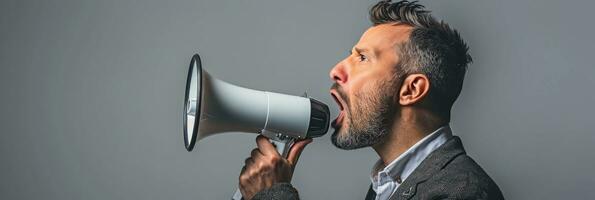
(243, 170)
(296, 150)
(255, 154)
(265, 146)
(248, 162)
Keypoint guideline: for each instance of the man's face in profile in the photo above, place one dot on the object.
(366, 86)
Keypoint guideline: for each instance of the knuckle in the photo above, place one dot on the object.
(243, 178)
(264, 166)
(274, 159)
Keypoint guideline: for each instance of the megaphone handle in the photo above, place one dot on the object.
(283, 146)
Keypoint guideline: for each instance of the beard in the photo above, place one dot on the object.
(370, 120)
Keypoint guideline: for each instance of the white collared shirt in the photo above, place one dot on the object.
(386, 181)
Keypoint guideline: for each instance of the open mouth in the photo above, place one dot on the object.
(339, 120)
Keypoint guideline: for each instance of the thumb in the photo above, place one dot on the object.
(296, 150)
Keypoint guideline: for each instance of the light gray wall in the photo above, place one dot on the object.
(92, 91)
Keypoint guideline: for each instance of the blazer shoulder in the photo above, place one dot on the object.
(278, 191)
(463, 178)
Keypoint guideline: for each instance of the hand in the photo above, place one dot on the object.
(265, 166)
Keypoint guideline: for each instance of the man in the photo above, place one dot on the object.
(395, 92)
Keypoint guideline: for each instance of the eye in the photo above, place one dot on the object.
(362, 57)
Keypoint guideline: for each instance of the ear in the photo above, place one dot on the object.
(415, 87)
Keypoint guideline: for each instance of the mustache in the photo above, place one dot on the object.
(340, 92)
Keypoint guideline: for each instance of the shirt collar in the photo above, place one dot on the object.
(403, 166)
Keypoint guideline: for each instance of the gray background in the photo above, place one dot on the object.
(92, 93)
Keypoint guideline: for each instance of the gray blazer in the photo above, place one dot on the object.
(447, 173)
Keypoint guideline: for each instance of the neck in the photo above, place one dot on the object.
(410, 128)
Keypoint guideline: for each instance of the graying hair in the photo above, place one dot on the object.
(434, 49)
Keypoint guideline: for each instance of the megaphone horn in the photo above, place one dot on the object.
(214, 106)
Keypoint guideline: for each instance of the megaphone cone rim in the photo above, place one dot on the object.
(194, 60)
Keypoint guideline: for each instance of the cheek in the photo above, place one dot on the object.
(364, 98)
(365, 88)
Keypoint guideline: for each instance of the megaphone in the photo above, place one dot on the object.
(213, 106)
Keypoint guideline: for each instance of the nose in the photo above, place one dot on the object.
(338, 74)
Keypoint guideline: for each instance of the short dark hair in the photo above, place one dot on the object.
(434, 49)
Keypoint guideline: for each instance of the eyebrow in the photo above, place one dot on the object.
(362, 50)
(359, 50)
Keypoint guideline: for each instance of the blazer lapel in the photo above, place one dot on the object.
(431, 165)
(371, 195)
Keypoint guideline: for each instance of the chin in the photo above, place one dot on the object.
(338, 134)
(340, 130)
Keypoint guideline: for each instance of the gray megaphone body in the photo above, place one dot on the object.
(213, 106)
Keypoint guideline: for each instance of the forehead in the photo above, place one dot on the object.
(384, 37)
